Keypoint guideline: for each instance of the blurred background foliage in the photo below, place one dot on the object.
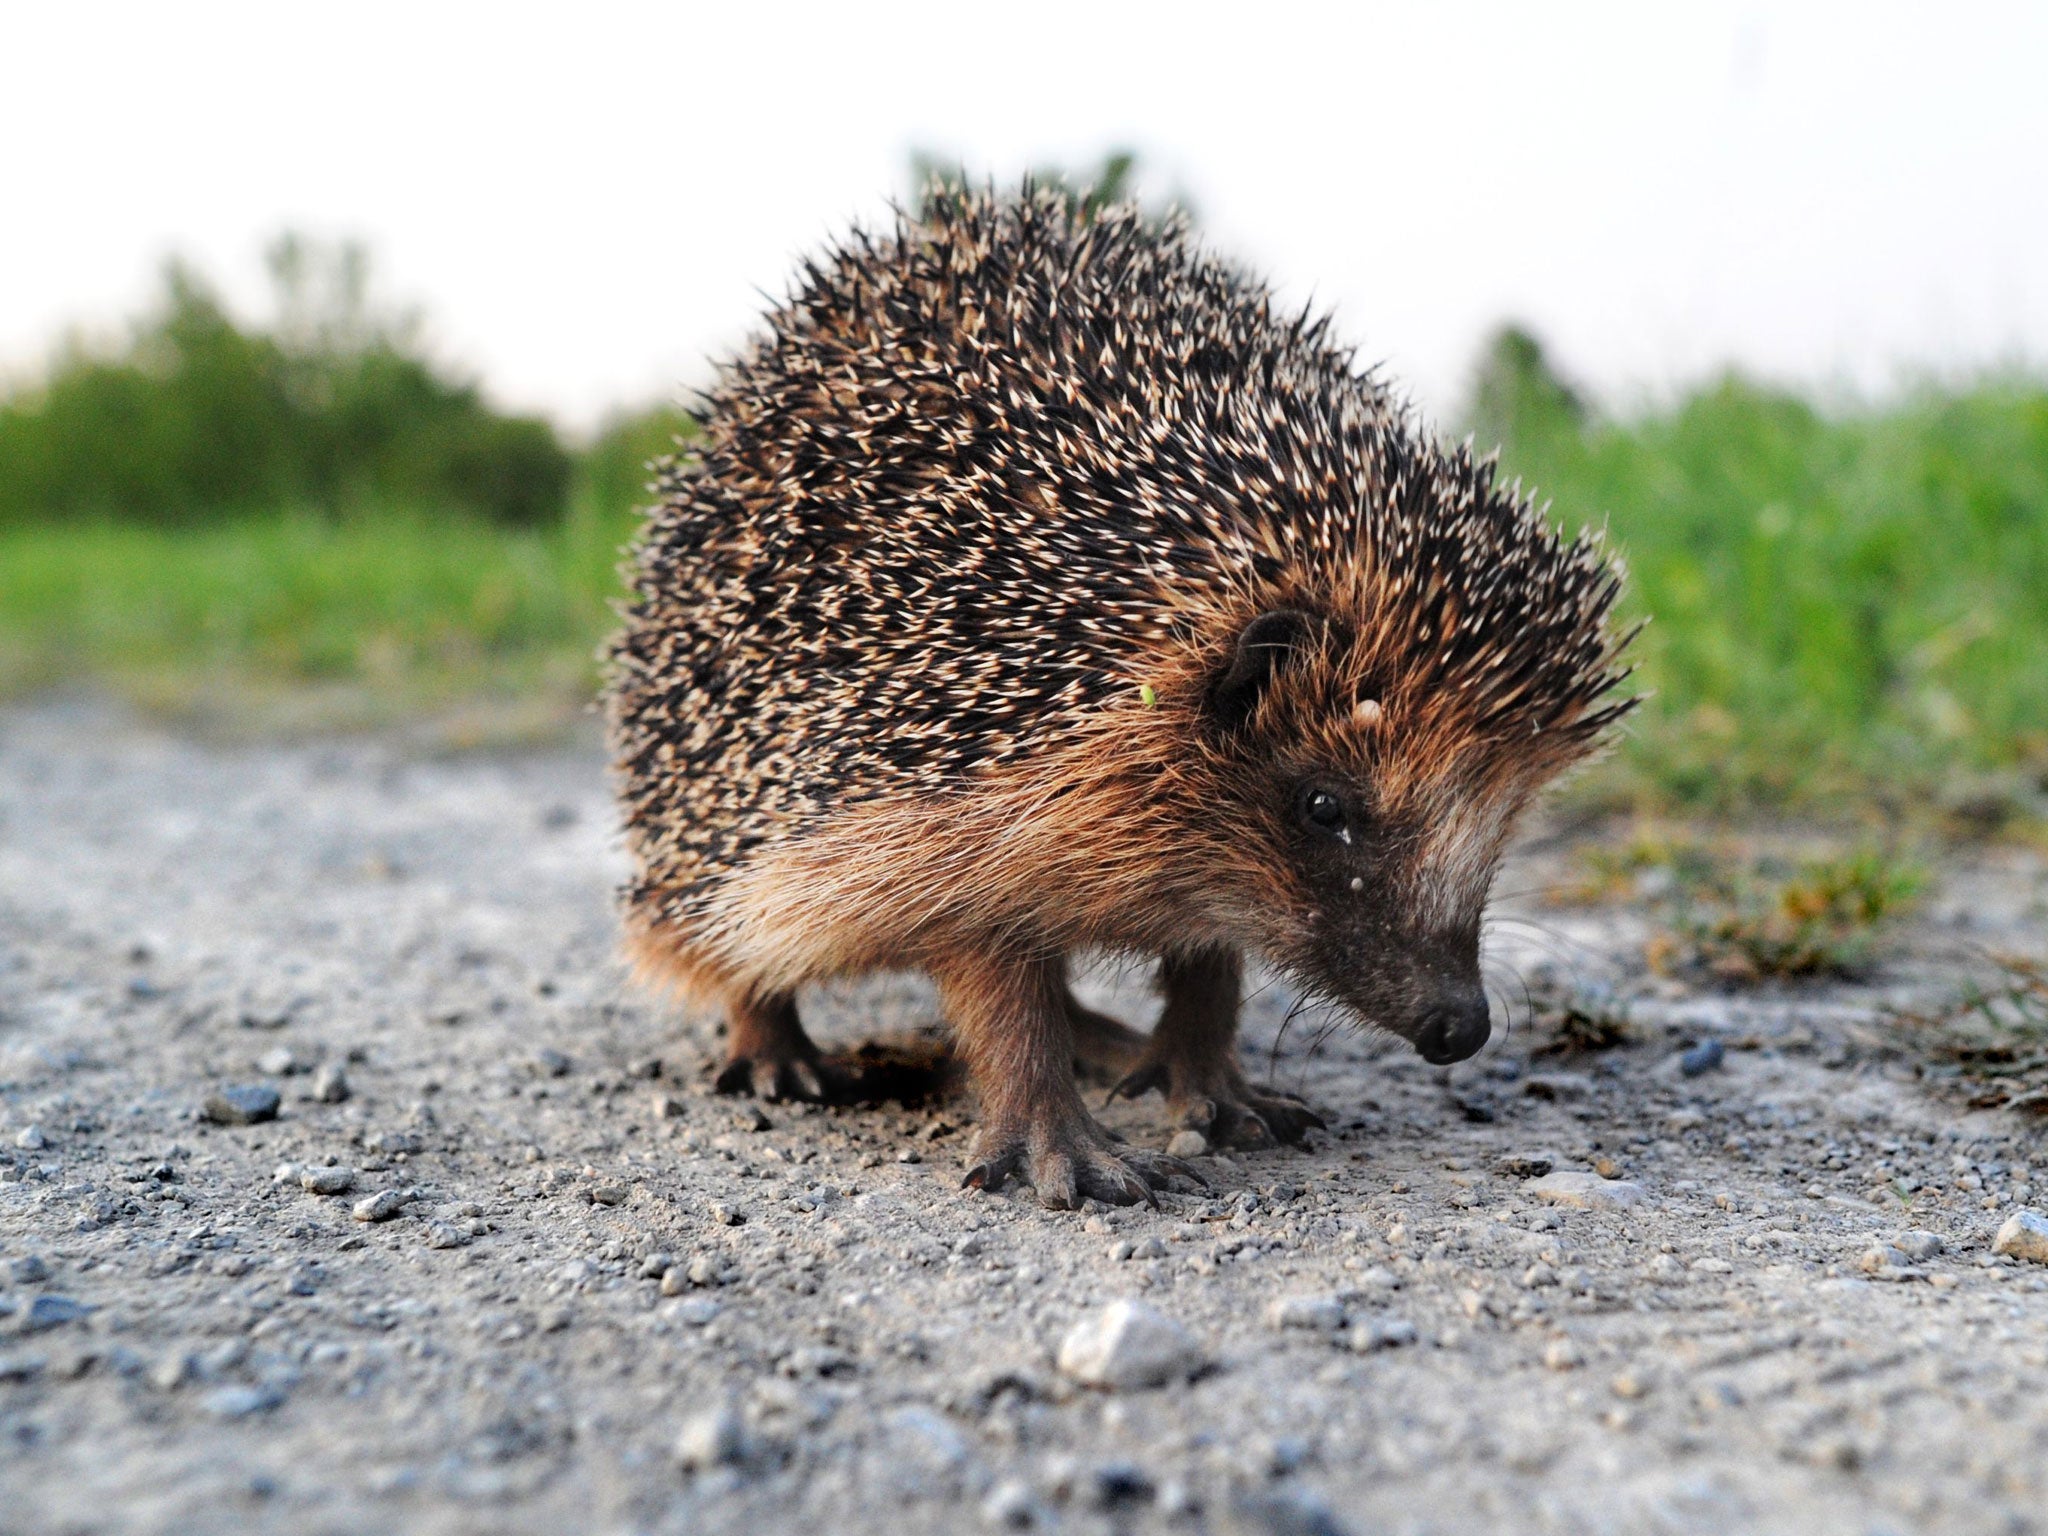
(335, 406)
(1849, 600)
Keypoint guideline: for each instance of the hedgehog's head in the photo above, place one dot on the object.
(1374, 788)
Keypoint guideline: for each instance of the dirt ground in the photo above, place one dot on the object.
(609, 1300)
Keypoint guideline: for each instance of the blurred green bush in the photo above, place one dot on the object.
(1834, 595)
(335, 407)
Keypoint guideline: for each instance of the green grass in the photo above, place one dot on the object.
(1839, 603)
(394, 612)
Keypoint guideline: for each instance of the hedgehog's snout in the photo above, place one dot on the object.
(1453, 1030)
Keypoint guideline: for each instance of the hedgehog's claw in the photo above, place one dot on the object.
(779, 1078)
(1068, 1166)
(991, 1174)
(1261, 1117)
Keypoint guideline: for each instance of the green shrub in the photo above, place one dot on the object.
(334, 408)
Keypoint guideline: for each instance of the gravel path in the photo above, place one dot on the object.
(346, 1188)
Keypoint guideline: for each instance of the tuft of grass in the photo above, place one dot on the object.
(1745, 917)
(1991, 1039)
(1823, 919)
(1582, 1025)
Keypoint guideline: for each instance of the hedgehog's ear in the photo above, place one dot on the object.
(1262, 650)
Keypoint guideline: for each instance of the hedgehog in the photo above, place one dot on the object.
(1036, 588)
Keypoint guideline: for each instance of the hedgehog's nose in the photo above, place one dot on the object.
(1454, 1030)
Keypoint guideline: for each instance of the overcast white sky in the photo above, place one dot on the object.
(587, 199)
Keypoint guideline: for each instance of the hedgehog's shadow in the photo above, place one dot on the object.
(914, 1070)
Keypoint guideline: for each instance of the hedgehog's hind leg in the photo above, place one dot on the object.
(769, 1055)
(1015, 1030)
(1192, 1059)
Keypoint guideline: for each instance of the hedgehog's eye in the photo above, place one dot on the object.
(1323, 811)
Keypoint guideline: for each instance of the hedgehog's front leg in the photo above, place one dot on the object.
(1192, 1058)
(1017, 1035)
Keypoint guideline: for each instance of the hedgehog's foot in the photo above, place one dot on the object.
(1192, 1059)
(1017, 1034)
(1075, 1161)
(770, 1056)
(1217, 1100)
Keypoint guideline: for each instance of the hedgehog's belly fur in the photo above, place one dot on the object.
(904, 881)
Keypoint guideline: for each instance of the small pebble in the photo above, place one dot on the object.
(1382, 1333)
(716, 1437)
(2024, 1236)
(52, 1312)
(330, 1084)
(279, 1061)
(1318, 1314)
(550, 1063)
(246, 1105)
(21, 1367)
(30, 1138)
(1919, 1245)
(1117, 1483)
(697, 1310)
(29, 1269)
(1129, 1345)
(1188, 1143)
(1585, 1191)
(674, 1281)
(1527, 1165)
(1011, 1505)
(240, 1402)
(327, 1181)
(1563, 1355)
(441, 1234)
(382, 1206)
(1704, 1057)
(728, 1216)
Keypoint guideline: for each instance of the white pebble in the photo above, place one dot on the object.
(382, 1206)
(1129, 1345)
(2024, 1236)
(714, 1438)
(1585, 1191)
(1319, 1314)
